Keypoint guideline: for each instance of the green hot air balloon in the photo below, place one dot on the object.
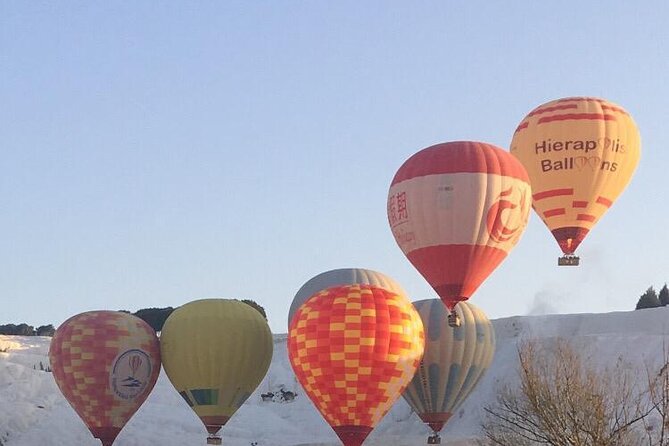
(455, 359)
(216, 352)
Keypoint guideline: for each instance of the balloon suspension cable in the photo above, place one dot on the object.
(434, 438)
(214, 439)
(453, 319)
(569, 260)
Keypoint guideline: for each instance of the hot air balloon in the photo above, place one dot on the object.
(580, 154)
(105, 363)
(456, 209)
(338, 277)
(215, 353)
(354, 348)
(455, 359)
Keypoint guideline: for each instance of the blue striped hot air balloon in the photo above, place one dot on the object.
(455, 359)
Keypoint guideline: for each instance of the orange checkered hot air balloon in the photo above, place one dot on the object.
(456, 210)
(340, 277)
(354, 349)
(580, 154)
(105, 363)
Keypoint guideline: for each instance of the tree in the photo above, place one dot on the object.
(648, 299)
(45, 330)
(256, 305)
(564, 401)
(664, 296)
(8, 329)
(657, 426)
(155, 317)
(25, 330)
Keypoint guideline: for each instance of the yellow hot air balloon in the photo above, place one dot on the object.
(580, 154)
(216, 352)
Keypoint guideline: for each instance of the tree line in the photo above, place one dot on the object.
(155, 317)
(652, 299)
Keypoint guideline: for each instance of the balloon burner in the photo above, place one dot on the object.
(214, 439)
(569, 260)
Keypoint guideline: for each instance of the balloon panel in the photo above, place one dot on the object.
(455, 359)
(354, 349)
(105, 363)
(456, 210)
(340, 277)
(580, 154)
(215, 353)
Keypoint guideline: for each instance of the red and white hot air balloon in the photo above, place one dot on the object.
(456, 210)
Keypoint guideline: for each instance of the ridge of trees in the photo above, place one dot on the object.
(652, 299)
(155, 317)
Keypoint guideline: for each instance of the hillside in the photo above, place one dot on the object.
(33, 412)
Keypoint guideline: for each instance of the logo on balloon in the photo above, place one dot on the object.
(130, 374)
(504, 211)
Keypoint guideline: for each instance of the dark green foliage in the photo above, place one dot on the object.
(664, 296)
(155, 317)
(45, 330)
(17, 330)
(648, 299)
(256, 305)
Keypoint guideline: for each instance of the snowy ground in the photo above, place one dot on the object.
(33, 412)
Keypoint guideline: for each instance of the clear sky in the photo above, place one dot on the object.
(153, 153)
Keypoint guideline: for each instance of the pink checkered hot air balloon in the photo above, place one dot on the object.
(105, 364)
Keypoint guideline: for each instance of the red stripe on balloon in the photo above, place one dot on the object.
(581, 99)
(552, 193)
(456, 271)
(585, 217)
(461, 157)
(615, 109)
(554, 212)
(539, 111)
(577, 117)
(605, 201)
(579, 204)
(522, 126)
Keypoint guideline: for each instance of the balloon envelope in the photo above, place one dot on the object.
(215, 353)
(580, 154)
(105, 363)
(339, 277)
(354, 348)
(456, 210)
(455, 360)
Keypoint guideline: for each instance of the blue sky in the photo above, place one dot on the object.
(158, 152)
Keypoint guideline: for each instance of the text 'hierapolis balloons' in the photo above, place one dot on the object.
(580, 154)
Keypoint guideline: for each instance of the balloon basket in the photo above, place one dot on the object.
(214, 439)
(453, 321)
(569, 260)
(434, 439)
